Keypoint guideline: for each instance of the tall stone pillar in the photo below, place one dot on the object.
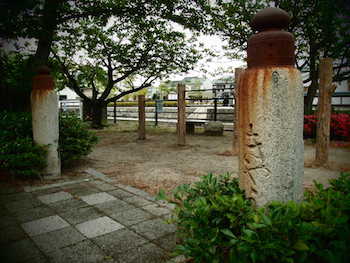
(44, 103)
(271, 151)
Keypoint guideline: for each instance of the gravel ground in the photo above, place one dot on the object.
(158, 162)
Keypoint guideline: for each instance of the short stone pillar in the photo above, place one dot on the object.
(271, 149)
(44, 103)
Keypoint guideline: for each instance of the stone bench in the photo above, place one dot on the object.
(190, 125)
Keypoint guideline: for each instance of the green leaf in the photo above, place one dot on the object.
(300, 246)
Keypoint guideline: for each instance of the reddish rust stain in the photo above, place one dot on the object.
(43, 82)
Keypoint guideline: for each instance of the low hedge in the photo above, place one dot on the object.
(216, 223)
(19, 154)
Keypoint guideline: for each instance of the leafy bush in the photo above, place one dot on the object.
(22, 157)
(216, 223)
(339, 126)
(75, 139)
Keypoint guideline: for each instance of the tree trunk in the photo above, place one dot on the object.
(47, 32)
(324, 109)
(98, 114)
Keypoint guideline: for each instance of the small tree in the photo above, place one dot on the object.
(101, 57)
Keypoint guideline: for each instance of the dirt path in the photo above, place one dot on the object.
(158, 163)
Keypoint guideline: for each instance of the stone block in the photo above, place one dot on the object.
(58, 239)
(153, 229)
(156, 209)
(55, 197)
(33, 214)
(131, 217)
(83, 252)
(97, 198)
(20, 251)
(148, 253)
(214, 128)
(44, 225)
(80, 215)
(138, 201)
(119, 241)
(114, 206)
(98, 227)
(67, 205)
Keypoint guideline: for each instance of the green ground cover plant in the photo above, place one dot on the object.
(20, 156)
(216, 223)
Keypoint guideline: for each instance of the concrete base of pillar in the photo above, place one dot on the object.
(45, 128)
(271, 149)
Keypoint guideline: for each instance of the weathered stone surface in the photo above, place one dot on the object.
(45, 127)
(97, 198)
(271, 134)
(44, 225)
(119, 241)
(98, 227)
(131, 216)
(154, 229)
(214, 128)
(58, 239)
(55, 197)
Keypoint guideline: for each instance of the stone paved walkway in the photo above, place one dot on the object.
(92, 219)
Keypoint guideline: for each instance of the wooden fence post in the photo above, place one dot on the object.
(181, 115)
(238, 72)
(142, 119)
(324, 109)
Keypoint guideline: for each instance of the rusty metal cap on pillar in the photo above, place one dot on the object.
(43, 80)
(271, 46)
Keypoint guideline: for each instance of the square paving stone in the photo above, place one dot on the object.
(58, 239)
(97, 198)
(119, 241)
(98, 227)
(19, 251)
(131, 217)
(148, 253)
(80, 215)
(114, 206)
(167, 242)
(156, 209)
(34, 213)
(153, 229)
(138, 201)
(83, 252)
(23, 204)
(80, 190)
(55, 197)
(121, 194)
(15, 197)
(11, 233)
(44, 225)
(103, 186)
(67, 205)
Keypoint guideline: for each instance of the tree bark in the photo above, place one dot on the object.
(312, 90)
(238, 72)
(142, 118)
(97, 116)
(48, 27)
(324, 109)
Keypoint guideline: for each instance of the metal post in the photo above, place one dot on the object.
(115, 112)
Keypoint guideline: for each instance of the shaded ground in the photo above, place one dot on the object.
(158, 163)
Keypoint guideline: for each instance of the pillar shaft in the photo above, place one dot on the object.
(44, 104)
(271, 149)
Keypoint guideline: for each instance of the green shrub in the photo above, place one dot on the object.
(21, 156)
(216, 223)
(75, 139)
